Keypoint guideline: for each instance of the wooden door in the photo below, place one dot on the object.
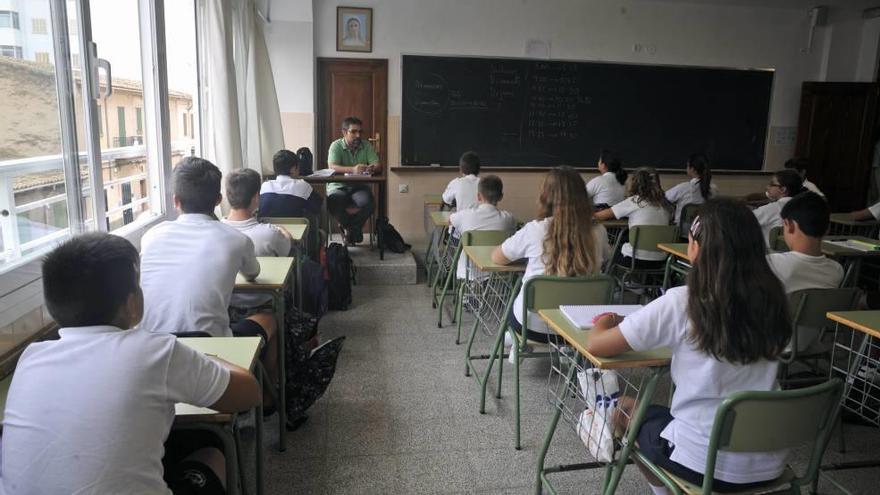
(352, 88)
(837, 129)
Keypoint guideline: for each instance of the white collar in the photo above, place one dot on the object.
(88, 330)
(194, 218)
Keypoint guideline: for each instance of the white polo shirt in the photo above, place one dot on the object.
(188, 270)
(688, 193)
(484, 216)
(702, 383)
(90, 412)
(799, 271)
(528, 243)
(462, 191)
(812, 187)
(605, 189)
(268, 241)
(768, 216)
(641, 213)
(875, 211)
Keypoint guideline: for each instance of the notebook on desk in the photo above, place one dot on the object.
(582, 316)
(856, 244)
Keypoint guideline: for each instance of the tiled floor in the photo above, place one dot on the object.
(401, 418)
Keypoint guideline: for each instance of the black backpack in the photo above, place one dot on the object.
(314, 287)
(389, 237)
(339, 273)
(304, 156)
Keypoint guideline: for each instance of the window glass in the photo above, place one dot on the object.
(183, 102)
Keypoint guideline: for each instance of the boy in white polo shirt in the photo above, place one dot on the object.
(485, 216)
(188, 266)
(805, 219)
(90, 412)
(462, 191)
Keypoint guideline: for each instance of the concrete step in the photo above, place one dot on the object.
(395, 269)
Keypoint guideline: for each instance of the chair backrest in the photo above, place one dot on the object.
(769, 421)
(550, 292)
(646, 237)
(809, 308)
(484, 237)
(776, 240)
(688, 213)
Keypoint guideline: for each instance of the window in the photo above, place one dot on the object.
(74, 61)
(140, 121)
(42, 58)
(38, 26)
(10, 51)
(184, 125)
(120, 114)
(9, 19)
(183, 87)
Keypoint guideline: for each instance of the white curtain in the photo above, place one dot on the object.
(241, 118)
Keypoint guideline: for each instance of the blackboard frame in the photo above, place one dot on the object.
(533, 168)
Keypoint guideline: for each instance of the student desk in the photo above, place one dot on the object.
(843, 224)
(240, 351)
(856, 359)
(432, 202)
(490, 290)
(273, 278)
(298, 228)
(377, 182)
(436, 243)
(850, 258)
(243, 352)
(570, 401)
(677, 263)
(615, 227)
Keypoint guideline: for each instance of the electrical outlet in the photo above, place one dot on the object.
(403, 188)
(637, 48)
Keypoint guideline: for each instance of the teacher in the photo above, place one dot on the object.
(351, 203)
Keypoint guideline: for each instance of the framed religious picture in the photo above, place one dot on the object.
(354, 29)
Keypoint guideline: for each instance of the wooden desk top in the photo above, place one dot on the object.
(297, 231)
(274, 272)
(846, 219)
(578, 339)
(482, 257)
(433, 199)
(440, 218)
(615, 222)
(835, 251)
(678, 249)
(867, 322)
(240, 351)
(367, 179)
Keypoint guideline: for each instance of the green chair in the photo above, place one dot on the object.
(643, 238)
(776, 240)
(688, 213)
(809, 308)
(766, 422)
(469, 238)
(547, 292)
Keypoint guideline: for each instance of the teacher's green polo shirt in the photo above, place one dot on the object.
(341, 154)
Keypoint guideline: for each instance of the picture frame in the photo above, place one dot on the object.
(354, 29)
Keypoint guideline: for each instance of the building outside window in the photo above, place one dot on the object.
(42, 58)
(9, 19)
(38, 26)
(10, 51)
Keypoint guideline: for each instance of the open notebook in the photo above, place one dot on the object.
(582, 316)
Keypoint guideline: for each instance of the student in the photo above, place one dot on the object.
(695, 191)
(243, 194)
(89, 412)
(462, 191)
(716, 352)
(563, 240)
(783, 185)
(800, 165)
(646, 205)
(606, 190)
(188, 266)
(484, 216)
(287, 195)
(869, 213)
(805, 220)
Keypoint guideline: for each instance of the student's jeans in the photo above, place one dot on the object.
(357, 196)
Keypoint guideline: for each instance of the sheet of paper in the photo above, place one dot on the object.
(582, 316)
(324, 172)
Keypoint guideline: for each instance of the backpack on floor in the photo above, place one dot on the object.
(308, 373)
(315, 295)
(339, 272)
(389, 236)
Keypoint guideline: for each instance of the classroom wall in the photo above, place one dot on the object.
(723, 33)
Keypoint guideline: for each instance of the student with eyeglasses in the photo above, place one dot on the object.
(783, 185)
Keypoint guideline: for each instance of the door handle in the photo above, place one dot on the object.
(375, 141)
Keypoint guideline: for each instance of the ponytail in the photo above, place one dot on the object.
(615, 166)
(700, 163)
(791, 181)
